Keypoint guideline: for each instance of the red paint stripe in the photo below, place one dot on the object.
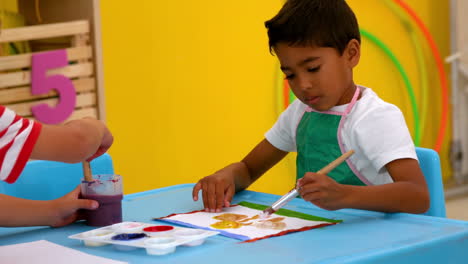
(288, 231)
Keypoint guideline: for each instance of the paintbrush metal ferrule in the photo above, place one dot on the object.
(295, 192)
(281, 201)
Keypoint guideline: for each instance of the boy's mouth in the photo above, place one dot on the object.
(312, 99)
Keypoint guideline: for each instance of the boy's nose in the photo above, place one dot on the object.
(304, 83)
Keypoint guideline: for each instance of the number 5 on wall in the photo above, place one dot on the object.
(41, 83)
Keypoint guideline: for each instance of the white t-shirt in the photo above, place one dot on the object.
(374, 129)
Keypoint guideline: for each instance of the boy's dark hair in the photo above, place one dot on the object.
(322, 23)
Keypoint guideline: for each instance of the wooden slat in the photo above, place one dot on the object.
(44, 31)
(78, 114)
(80, 40)
(24, 77)
(24, 60)
(20, 94)
(24, 109)
(83, 112)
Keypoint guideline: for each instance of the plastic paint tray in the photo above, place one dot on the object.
(156, 239)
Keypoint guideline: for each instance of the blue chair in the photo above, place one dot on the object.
(46, 180)
(430, 166)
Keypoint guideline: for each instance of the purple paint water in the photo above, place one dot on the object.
(109, 211)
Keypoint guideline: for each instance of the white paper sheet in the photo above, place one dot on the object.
(45, 252)
(244, 230)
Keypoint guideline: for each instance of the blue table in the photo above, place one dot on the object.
(363, 237)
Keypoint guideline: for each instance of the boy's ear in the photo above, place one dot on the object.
(353, 52)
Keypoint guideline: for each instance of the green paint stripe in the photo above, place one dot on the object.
(289, 213)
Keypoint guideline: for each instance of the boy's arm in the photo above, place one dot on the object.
(408, 193)
(262, 158)
(72, 142)
(219, 188)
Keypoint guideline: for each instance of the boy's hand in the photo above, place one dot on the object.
(217, 191)
(322, 191)
(65, 209)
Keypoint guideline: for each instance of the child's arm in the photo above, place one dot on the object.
(408, 193)
(58, 212)
(219, 188)
(75, 141)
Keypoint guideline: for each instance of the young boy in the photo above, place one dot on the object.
(21, 139)
(318, 44)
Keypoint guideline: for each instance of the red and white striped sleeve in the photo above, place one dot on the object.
(17, 138)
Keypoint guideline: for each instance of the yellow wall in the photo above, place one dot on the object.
(189, 84)
(9, 5)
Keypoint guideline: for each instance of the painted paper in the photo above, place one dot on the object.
(243, 221)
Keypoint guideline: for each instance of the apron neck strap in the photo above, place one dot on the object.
(353, 101)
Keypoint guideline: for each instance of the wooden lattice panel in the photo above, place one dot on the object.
(15, 70)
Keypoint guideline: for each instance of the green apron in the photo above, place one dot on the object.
(318, 143)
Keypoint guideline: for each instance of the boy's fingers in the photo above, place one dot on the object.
(308, 178)
(228, 196)
(211, 190)
(313, 196)
(299, 182)
(195, 191)
(219, 197)
(205, 195)
(309, 188)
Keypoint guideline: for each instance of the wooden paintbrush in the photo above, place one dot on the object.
(295, 192)
(88, 176)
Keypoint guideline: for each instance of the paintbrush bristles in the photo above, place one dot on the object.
(88, 176)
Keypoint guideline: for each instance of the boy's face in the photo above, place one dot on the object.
(320, 77)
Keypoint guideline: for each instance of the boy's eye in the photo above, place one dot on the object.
(316, 69)
(289, 77)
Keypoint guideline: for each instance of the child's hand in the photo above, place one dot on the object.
(64, 210)
(322, 191)
(217, 191)
(106, 143)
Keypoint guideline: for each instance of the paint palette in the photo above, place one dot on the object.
(156, 239)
